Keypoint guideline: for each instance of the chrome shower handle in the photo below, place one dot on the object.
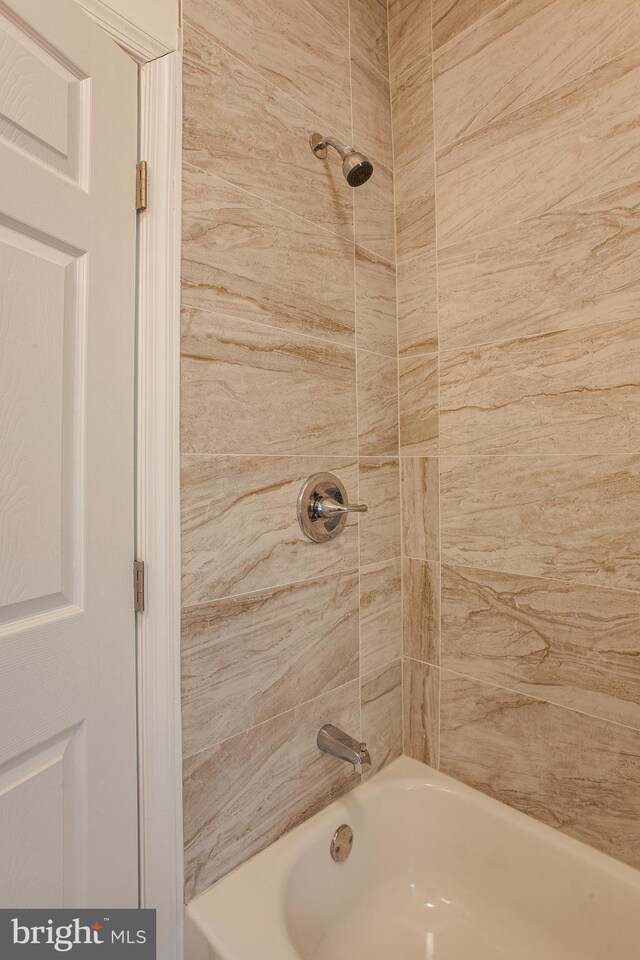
(327, 507)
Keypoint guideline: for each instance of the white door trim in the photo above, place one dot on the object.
(158, 522)
(158, 477)
(137, 42)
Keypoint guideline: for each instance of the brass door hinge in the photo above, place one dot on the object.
(142, 181)
(138, 586)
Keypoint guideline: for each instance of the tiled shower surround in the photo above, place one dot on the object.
(519, 346)
(289, 368)
(503, 478)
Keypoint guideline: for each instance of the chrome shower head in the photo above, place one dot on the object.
(356, 168)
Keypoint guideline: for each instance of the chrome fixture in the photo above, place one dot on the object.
(323, 507)
(355, 166)
(339, 744)
(341, 843)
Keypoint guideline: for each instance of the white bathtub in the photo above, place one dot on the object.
(438, 872)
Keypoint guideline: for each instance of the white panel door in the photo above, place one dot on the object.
(68, 777)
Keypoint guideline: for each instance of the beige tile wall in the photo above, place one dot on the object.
(520, 438)
(289, 345)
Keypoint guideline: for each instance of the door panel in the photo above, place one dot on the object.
(68, 774)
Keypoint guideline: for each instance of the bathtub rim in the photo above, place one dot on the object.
(216, 913)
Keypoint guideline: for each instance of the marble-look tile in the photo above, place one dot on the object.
(574, 645)
(239, 527)
(420, 507)
(523, 50)
(421, 610)
(451, 17)
(369, 31)
(241, 128)
(418, 385)
(286, 42)
(417, 292)
(412, 113)
(335, 12)
(556, 393)
(380, 614)
(247, 659)
(244, 257)
(377, 404)
(567, 517)
(577, 142)
(248, 388)
(380, 526)
(376, 320)
(573, 772)
(244, 793)
(374, 213)
(381, 692)
(415, 208)
(421, 705)
(409, 34)
(371, 111)
(567, 269)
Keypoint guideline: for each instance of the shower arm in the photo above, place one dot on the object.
(319, 147)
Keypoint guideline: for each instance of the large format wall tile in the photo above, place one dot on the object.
(451, 17)
(575, 645)
(421, 610)
(579, 141)
(415, 208)
(380, 526)
(239, 526)
(417, 292)
(409, 33)
(574, 772)
(371, 111)
(418, 387)
(522, 51)
(571, 518)
(241, 128)
(374, 213)
(556, 393)
(247, 659)
(248, 388)
(244, 793)
(412, 107)
(246, 258)
(369, 31)
(421, 698)
(381, 693)
(420, 508)
(289, 44)
(380, 614)
(377, 404)
(376, 321)
(563, 270)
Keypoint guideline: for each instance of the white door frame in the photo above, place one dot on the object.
(158, 502)
(158, 476)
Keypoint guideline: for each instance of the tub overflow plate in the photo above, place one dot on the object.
(342, 843)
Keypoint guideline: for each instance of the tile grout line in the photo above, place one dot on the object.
(276, 206)
(437, 457)
(355, 313)
(558, 209)
(276, 716)
(527, 696)
(284, 331)
(527, 576)
(401, 511)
